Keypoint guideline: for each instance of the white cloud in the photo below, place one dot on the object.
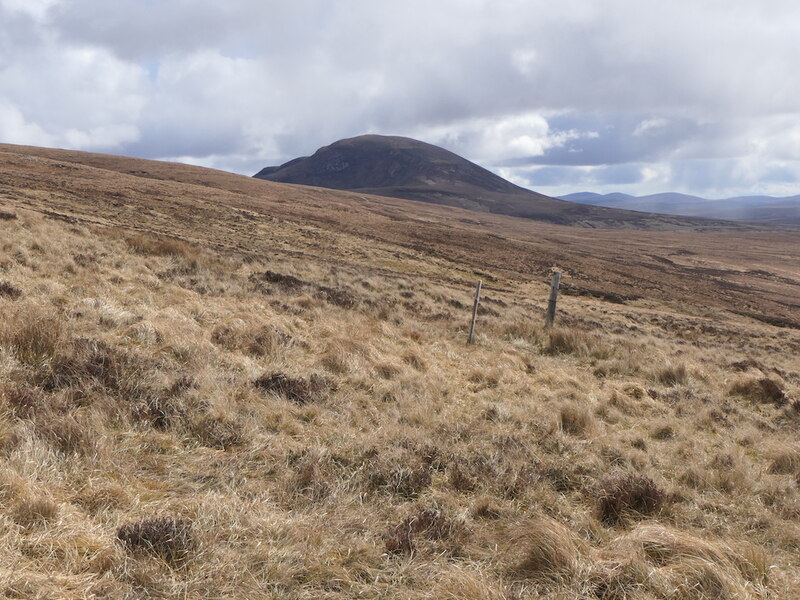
(34, 8)
(656, 175)
(107, 136)
(524, 59)
(498, 139)
(74, 96)
(514, 177)
(650, 126)
(14, 129)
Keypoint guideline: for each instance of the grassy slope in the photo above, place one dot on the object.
(393, 460)
(750, 272)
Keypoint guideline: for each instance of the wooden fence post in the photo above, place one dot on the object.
(471, 338)
(551, 304)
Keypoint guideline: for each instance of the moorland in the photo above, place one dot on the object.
(213, 386)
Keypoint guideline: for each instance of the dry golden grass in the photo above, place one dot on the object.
(182, 422)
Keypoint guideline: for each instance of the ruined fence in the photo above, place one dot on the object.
(550, 316)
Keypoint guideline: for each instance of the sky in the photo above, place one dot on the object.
(635, 96)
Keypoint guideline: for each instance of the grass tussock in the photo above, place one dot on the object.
(257, 341)
(703, 568)
(574, 419)
(525, 330)
(759, 389)
(571, 341)
(545, 550)
(33, 334)
(672, 375)
(336, 359)
(33, 512)
(152, 245)
(786, 460)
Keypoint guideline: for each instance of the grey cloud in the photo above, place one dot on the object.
(779, 174)
(616, 138)
(560, 175)
(18, 31)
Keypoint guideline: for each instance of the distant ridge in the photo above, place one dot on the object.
(760, 209)
(401, 167)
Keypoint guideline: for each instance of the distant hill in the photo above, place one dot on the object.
(401, 167)
(758, 209)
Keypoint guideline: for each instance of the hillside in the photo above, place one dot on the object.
(215, 387)
(761, 209)
(400, 167)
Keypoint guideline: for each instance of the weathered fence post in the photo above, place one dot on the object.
(551, 304)
(471, 337)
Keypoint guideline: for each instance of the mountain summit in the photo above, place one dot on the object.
(401, 167)
(377, 162)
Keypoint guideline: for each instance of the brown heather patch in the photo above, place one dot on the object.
(414, 360)
(759, 389)
(7, 290)
(296, 389)
(745, 365)
(166, 537)
(310, 480)
(219, 431)
(425, 524)
(24, 401)
(269, 282)
(387, 370)
(151, 245)
(400, 474)
(622, 495)
(85, 363)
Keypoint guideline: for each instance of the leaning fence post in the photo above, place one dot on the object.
(551, 304)
(471, 337)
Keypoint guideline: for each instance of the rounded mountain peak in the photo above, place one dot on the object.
(378, 161)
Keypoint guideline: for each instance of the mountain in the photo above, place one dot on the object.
(401, 167)
(763, 209)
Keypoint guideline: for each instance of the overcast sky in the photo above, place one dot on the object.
(640, 96)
